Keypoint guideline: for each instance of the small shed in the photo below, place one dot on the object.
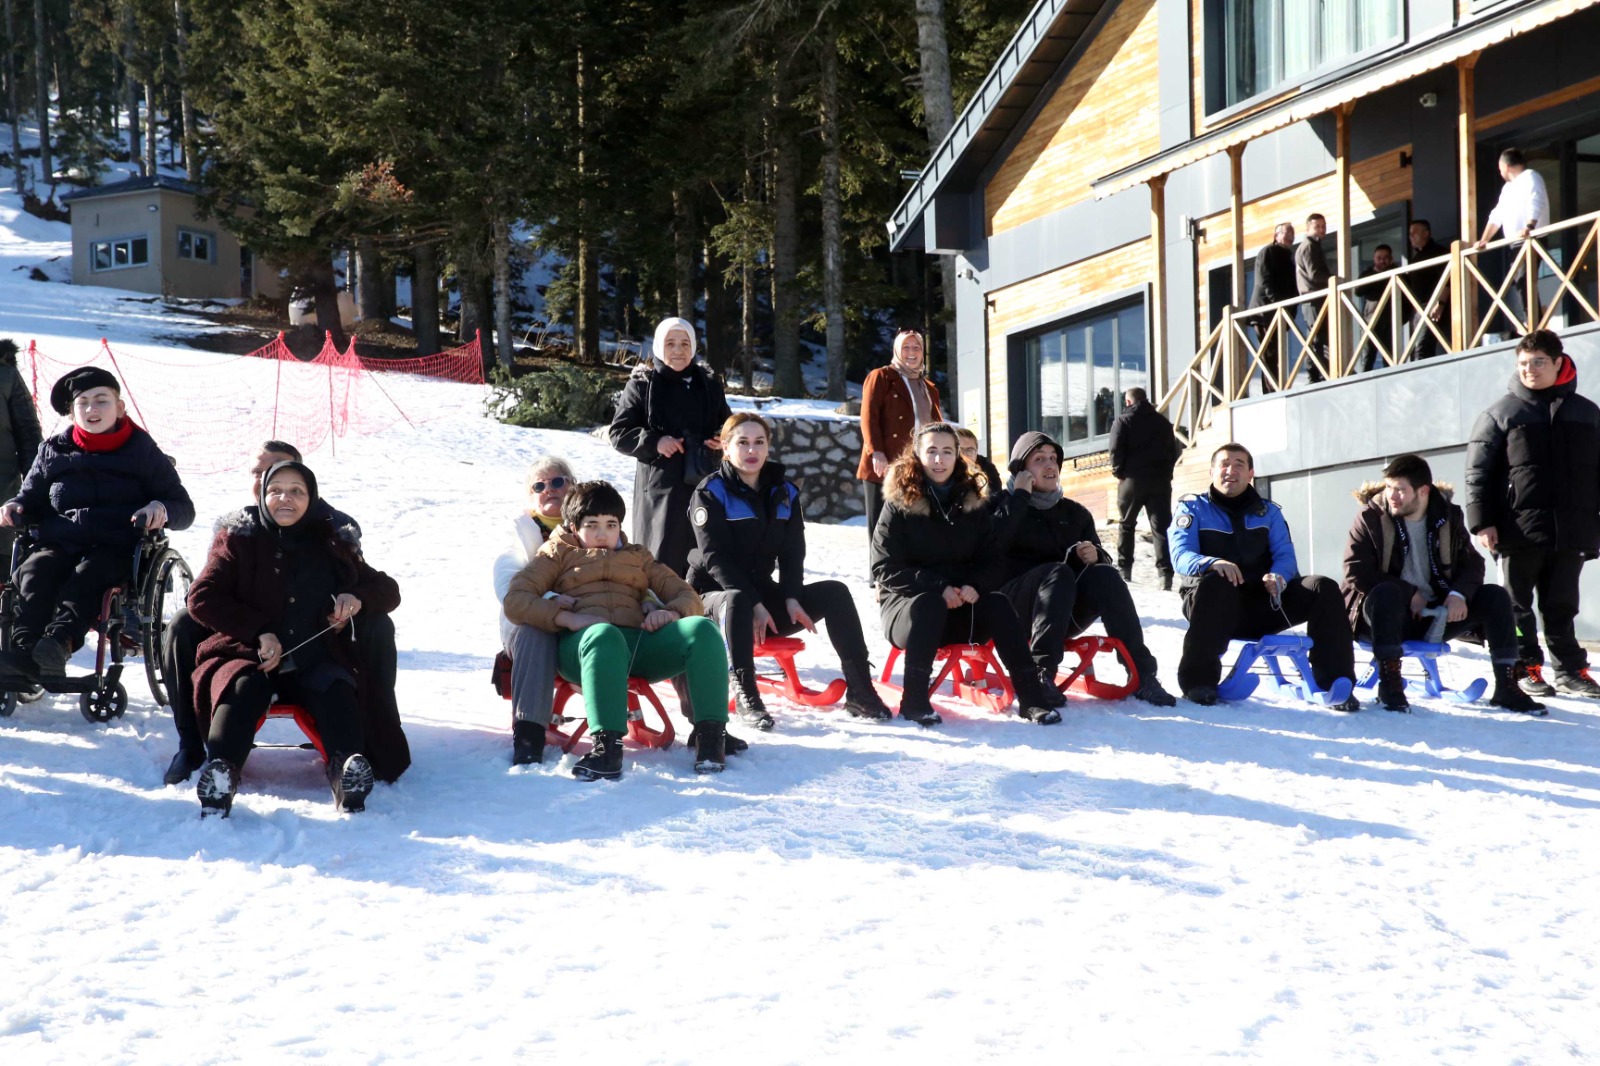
(146, 234)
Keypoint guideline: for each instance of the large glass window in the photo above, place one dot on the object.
(1077, 372)
(1269, 43)
(119, 254)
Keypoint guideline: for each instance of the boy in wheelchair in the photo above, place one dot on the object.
(617, 629)
(91, 493)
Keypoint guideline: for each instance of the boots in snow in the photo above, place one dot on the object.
(1509, 695)
(1531, 677)
(219, 780)
(527, 742)
(1391, 686)
(710, 755)
(914, 703)
(604, 761)
(747, 700)
(1577, 683)
(861, 697)
(350, 777)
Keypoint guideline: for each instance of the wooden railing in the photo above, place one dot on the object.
(1450, 304)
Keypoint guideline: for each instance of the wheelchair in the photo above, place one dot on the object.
(133, 621)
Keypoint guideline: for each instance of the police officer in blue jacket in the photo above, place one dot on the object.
(1240, 581)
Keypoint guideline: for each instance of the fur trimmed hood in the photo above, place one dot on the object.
(904, 487)
(1370, 493)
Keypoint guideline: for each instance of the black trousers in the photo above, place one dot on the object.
(1219, 612)
(922, 624)
(375, 653)
(1553, 575)
(60, 592)
(828, 602)
(233, 727)
(872, 494)
(1154, 498)
(1387, 622)
(1062, 604)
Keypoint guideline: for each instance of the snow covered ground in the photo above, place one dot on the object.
(1262, 882)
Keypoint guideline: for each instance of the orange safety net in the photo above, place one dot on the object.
(211, 412)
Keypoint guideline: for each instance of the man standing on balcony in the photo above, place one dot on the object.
(1144, 451)
(1533, 499)
(1379, 320)
(1421, 284)
(1275, 281)
(1523, 207)
(1311, 276)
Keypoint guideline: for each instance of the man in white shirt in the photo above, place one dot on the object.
(1523, 207)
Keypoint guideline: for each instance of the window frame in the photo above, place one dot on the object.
(208, 237)
(111, 243)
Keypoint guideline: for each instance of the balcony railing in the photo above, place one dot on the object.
(1455, 303)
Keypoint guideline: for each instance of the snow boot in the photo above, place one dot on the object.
(219, 780)
(17, 665)
(1151, 692)
(1391, 686)
(1509, 695)
(1127, 573)
(861, 697)
(604, 761)
(1351, 704)
(527, 742)
(1049, 695)
(914, 703)
(1578, 683)
(1204, 695)
(51, 656)
(747, 700)
(1530, 676)
(183, 766)
(710, 754)
(350, 777)
(730, 743)
(1032, 702)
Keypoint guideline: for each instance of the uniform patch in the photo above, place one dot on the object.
(701, 516)
(1185, 521)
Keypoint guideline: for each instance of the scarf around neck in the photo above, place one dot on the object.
(1039, 501)
(109, 441)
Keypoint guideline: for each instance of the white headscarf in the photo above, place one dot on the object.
(667, 325)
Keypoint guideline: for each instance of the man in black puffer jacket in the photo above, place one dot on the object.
(1144, 451)
(1533, 499)
(91, 491)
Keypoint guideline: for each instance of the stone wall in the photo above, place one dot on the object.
(821, 456)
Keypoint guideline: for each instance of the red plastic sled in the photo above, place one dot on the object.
(640, 731)
(302, 718)
(1082, 676)
(788, 683)
(975, 675)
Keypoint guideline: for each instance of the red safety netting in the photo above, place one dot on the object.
(212, 412)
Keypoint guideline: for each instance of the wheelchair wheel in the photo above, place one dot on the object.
(103, 705)
(165, 591)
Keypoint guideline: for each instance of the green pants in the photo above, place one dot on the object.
(596, 658)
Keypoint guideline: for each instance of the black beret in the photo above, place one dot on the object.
(80, 381)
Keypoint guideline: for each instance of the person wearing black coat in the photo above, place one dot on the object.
(1533, 499)
(1275, 280)
(91, 493)
(1144, 451)
(1057, 576)
(668, 419)
(19, 433)
(938, 573)
(749, 567)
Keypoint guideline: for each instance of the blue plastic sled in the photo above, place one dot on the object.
(1272, 650)
(1430, 684)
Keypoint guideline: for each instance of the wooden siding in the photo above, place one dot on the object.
(1103, 116)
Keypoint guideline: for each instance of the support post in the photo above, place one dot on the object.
(1466, 301)
(1158, 323)
(1236, 221)
(1337, 356)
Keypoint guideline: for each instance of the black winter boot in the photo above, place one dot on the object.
(183, 766)
(914, 703)
(710, 755)
(527, 742)
(1392, 686)
(1509, 695)
(1032, 702)
(730, 743)
(219, 780)
(747, 700)
(1151, 692)
(51, 656)
(350, 777)
(604, 761)
(1049, 695)
(861, 697)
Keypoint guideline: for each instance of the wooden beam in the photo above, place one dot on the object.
(1236, 218)
(1467, 143)
(1158, 315)
(1539, 103)
(1341, 223)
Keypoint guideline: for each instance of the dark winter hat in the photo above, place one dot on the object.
(277, 468)
(80, 381)
(8, 351)
(1026, 445)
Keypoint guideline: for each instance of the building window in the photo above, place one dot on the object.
(1078, 370)
(119, 254)
(1262, 45)
(192, 244)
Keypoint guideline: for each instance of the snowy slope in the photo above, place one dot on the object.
(1262, 882)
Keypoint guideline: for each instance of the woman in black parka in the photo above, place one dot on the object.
(668, 419)
(749, 567)
(938, 572)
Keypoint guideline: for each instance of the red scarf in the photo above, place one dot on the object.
(109, 441)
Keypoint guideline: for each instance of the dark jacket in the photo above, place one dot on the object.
(19, 427)
(1253, 535)
(80, 499)
(1275, 276)
(994, 486)
(889, 416)
(1380, 322)
(243, 592)
(1421, 283)
(1310, 267)
(660, 402)
(1030, 536)
(1533, 468)
(744, 535)
(1378, 547)
(1143, 444)
(920, 547)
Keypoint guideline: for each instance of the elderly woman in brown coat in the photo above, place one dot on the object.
(280, 591)
(895, 400)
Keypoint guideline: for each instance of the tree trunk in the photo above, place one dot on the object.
(369, 280)
(130, 87)
(832, 218)
(504, 342)
(425, 298)
(14, 105)
(786, 379)
(191, 133)
(152, 128)
(683, 251)
(719, 319)
(41, 64)
(325, 294)
(586, 330)
(938, 106)
(747, 300)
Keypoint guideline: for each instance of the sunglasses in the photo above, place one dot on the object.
(556, 483)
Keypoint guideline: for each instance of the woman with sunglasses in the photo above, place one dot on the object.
(896, 400)
(938, 573)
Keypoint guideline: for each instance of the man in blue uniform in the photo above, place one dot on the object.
(1240, 581)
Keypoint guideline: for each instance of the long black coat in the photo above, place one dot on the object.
(1143, 444)
(743, 535)
(919, 547)
(1533, 468)
(1028, 536)
(660, 402)
(80, 499)
(19, 428)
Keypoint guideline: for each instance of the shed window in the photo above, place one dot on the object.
(119, 254)
(193, 244)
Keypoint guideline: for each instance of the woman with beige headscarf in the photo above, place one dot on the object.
(895, 400)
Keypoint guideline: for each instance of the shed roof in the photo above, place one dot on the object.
(139, 184)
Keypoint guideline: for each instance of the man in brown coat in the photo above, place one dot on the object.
(1409, 551)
